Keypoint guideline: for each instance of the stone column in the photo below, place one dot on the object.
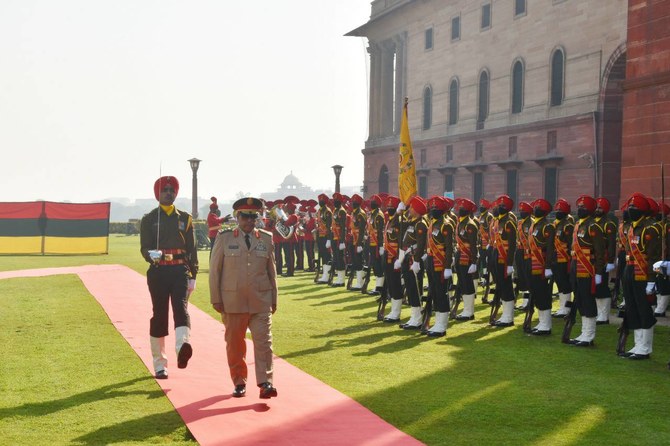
(400, 74)
(386, 99)
(375, 81)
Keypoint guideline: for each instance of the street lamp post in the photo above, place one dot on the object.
(338, 170)
(195, 163)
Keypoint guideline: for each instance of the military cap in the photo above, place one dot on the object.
(291, 199)
(160, 184)
(484, 203)
(542, 204)
(467, 204)
(323, 197)
(506, 201)
(437, 202)
(338, 197)
(376, 199)
(639, 201)
(355, 198)
(562, 205)
(419, 205)
(392, 202)
(248, 206)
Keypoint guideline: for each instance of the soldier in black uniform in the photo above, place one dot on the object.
(560, 262)
(393, 234)
(410, 254)
(522, 254)
(609, 228)
(643, 250)
(167, 242)
(323, 236)
(338, 233)
(505, 244)
(375, 229)
(588, 261)
(465, 261)
(541, 248)
(357, 226)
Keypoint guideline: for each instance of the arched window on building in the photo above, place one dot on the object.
(384, 180)
(517, 87)
(557, 77)
(427, 108)
(483, 98)
(453, 102)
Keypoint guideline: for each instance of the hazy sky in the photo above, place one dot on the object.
(97, 97)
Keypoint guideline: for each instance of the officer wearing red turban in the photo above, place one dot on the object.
(522, 254)
(410, 258)
(324, 236)
(484, 242)
(357, 226)
(588, 262)
(565, 225)
(609, 228)
(339, 234)
(168, 243)
(541, 248)
(393, 234)
(643, 249)
(505, 245)
(466, 231)
(375, 229)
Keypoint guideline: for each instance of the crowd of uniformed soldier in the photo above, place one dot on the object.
(456, 246)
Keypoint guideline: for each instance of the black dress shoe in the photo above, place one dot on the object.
(334, 285)
(602, 322)
(436, 334)
(465, 318)
(185, 353)
(502, 324)
(374, 292)
(409, 327)
(520, 308)
(625, 354)
(240, 391)
(391, 320)
(354, 288)
(537, 332)
(267, 391)
(161, 374)
(583, 343)
(659, 314)
(637, 356)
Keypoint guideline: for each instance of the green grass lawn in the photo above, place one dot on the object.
(68, 377)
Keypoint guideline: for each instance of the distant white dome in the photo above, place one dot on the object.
(291, 182)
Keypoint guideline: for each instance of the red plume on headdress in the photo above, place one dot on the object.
(214, 205)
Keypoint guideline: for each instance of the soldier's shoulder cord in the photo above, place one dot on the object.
(264, 232)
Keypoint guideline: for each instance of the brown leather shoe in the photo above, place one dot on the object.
(267, 391)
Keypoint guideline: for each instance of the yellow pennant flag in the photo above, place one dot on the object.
(407, 168)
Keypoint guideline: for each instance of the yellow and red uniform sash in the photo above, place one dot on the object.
(582, 257)
(636, 258)
(561, 247)
(435, 249)
(464, 249)
(321, 225)
(538, 260)
(371, 228)
(484, 234)
(390, 246)
(522, 239)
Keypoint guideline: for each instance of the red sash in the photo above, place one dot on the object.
(390, 247)
(436, 251)
(463, 249)
(523, 239)
(585, 267)
(562, 255)
(501, 246)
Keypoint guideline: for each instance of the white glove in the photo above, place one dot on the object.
(650, 287)
(397, 264)
(510, 270)
(190, 287)
(401, 207)
(415, 267)
(327, 244)
(472, 269)
(401, 255)
(341, 246)
(424, 257)
(599, 279)
(660, 264)
(447, 273)
(359, 249)
(381, 250)
(155, 255)
(548, 272)
(609, 267)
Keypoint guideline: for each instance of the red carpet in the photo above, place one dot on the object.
(307, 411)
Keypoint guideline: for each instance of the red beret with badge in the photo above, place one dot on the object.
(587, 202)
(419, 205)
(162, 182)
(542, 204)
(466, 204)
(506, 201)
(524, 206)
(562, 205)
(604, 204)
(392, 202)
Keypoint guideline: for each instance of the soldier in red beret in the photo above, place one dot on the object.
(357, 226)
(541, 248)
(309, 229)
(643, 249)
(243, 289)
(588, 261)
(505, 244)
(410, 258)
(324, 236)
(168, 243)
(522, 254)
(565, 225)
(609, 228)
(375, 229)
(466, 256)
(393, 235)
